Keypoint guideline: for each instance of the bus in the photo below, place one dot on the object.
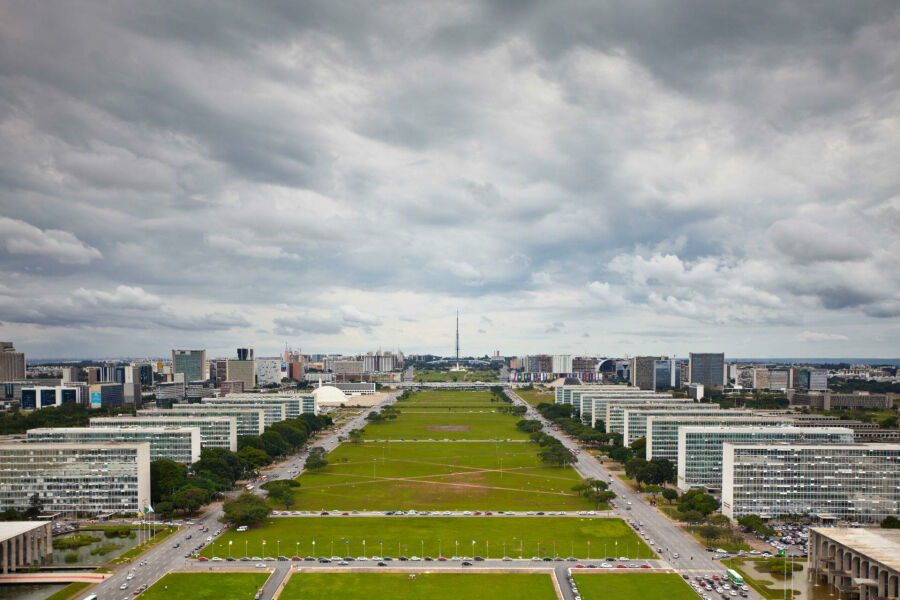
(735, 577)
(91, 597)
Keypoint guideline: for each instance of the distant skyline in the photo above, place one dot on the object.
(584, 178)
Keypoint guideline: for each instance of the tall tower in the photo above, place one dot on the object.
(457, 340)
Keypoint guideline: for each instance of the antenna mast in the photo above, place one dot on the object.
(457, 340)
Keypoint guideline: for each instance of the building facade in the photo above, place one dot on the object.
(662, 431)
(249, 422)
(836, 400)
(12, 363)
(863, 563)
(181, 444)
(615, 410)
(707, 368)
(244, 371)
(700, 448)
(850, 482)
(76, 479)
(642, 372)
(215, 431)
(635, 418)
(190, 362)
(25, 544)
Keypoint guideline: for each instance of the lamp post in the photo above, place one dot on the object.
(423, 548)
(297, 548)
(473, 549)
(380, 548)
(439, 548)
(245, 548)
(457, 547)
(314, 547)
(229, 548)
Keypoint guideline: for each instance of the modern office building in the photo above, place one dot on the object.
(634, 418)
(215, 431)
(666, 374)
(662, 432)
(41, 397)
(643, 372)
(818, 380)
(25, 544)
(700, 448)
(190, 362)
(829, 482)
(249, 421)
(243, 371)
(862, 563)
(174, 391)
(107, 395)
(76, 479)
(600, 409)
(836, 400)
(562, 363)
(12, 363)
(615, 410)
(270, 370)
(707, 368)
(294, 404)
(181, 444)
(780, 379)
(273, 412)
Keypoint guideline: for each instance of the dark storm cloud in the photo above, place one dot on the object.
(275, 166)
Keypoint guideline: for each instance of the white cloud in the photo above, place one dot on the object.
(816, 336)
(20, 237)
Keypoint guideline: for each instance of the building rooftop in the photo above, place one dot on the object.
(10, 529)
(882, 545)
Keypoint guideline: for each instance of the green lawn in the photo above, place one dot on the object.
(447, 397)
(622, 586)
(439, 475)
(408, 536)
(451, 424)
(484, 375)
(536, 396)
(424, 586)
(206, 586)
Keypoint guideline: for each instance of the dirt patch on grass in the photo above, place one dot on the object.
(448, 428)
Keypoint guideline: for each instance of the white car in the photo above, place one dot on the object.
(124, 586)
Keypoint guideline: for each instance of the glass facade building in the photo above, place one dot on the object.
(273, 412)
(181, 444)
(602, 408)
(707, 368)
(662, 432)
(76, 479)
(215, 432)
(854, 482)
(615, 411)
(700, 448)
(635, 419)
(190, 362)
(249, 422)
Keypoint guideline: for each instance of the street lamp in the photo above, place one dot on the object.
(439, 548)
(245, 548)
(473, 548)
(297, 548)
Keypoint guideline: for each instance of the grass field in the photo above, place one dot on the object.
(439, 475)
(435, 536)
(472, 424)
(536, 396)
(206, 586)
(443, 398)
(430, 586)
(617, 586)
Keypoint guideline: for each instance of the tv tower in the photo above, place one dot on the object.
(457, 340)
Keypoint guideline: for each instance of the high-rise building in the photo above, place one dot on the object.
(667, 374)
(850, 482)
(107, 395)
(190, 362)
(562, 363)
(38, 397)
(180, 444)
(216, 431)
(818, 380)
(700, 448)
(244, 371)
(270, 370)
(707, 368)
(73, 479)
(12, 363)
(642, 372)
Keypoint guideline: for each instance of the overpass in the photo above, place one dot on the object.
(44, 577)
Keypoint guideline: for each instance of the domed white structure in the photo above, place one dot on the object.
(328, 394)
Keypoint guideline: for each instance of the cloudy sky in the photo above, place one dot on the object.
(597, 177)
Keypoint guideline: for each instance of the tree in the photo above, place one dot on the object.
(719, 519)
(165, 508)
(356, 437)
(281, 495)
(692, 516)
(639, 447)
(556, 454)
(166, 476)
(709, 533)
(528, 425)
(316, 459)
(620, 454)
(669, 494)
(697, 500)
(190, 499)
(254, 458)
(246, 509)
(756, 524)
(890, 522)
(35, 507)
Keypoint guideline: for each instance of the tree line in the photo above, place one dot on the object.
(177, 487)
